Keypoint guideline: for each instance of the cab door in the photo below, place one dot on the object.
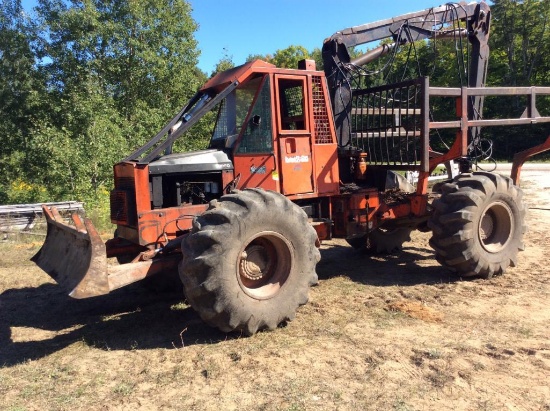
(254, 158)
(294, 134)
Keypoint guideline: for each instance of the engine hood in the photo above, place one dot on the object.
(192, 162)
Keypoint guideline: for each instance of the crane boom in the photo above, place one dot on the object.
(443, 22)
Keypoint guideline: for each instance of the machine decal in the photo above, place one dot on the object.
(297, 159)
(257, 170)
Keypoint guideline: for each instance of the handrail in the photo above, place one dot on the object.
(378, 115)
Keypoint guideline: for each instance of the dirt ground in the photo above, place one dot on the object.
(379, 333)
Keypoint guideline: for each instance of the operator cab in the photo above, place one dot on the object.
(266, 123)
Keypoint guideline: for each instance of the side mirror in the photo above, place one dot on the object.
(256, 120)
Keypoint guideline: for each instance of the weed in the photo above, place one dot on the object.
(69, 398)
(478, 366)
(434, 353)
(179, 306)
(234, 356)
(439, 376)
(420, 356)
(389, 318)
(523, 331)
(123, 389)
(400, 405)
(101, 218)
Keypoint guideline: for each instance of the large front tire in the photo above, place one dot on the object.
(249, 261)
(478, 224)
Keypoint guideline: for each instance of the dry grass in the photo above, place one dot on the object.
(382, 333)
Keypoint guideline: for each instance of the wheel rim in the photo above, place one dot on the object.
(495, 227)
(264, 265)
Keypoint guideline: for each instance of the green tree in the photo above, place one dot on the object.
(116, 71)
(520, 56)
(521, 33)
(289, 57)
(317, 55)
(264, 57)
(283, 58)
(144, 51)
(225, 63)
(20, 96)
(75, 160)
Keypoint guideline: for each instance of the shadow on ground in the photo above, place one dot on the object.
(136, 318)
(408, 267)
(131, 318)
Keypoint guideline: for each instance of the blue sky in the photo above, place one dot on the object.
(244, 27)
(238, 28)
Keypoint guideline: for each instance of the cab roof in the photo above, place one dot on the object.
(240, 73)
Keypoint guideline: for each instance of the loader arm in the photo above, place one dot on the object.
(434, 23)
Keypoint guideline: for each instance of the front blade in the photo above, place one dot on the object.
(75, 257)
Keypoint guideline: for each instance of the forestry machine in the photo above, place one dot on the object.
(298, 156)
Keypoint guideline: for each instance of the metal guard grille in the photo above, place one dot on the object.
(386, 123)
(123, 202)
(320, 114)
(119, 207)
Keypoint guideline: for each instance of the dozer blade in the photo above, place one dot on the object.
(75, 257)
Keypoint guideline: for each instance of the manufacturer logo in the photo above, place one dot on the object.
(297, 159)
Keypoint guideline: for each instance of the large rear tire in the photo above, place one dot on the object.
(249, 261)
(478, 224)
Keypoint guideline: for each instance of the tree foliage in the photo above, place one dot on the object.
(20, 90)
(520, 56)
(106, 75)
(520, 36)
(284, 58)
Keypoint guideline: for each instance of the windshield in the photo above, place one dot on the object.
(234, 109)
(234, 106)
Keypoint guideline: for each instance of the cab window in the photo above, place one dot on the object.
(257, 136)
(291, 102)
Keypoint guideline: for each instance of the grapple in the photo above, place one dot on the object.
(76, 257)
